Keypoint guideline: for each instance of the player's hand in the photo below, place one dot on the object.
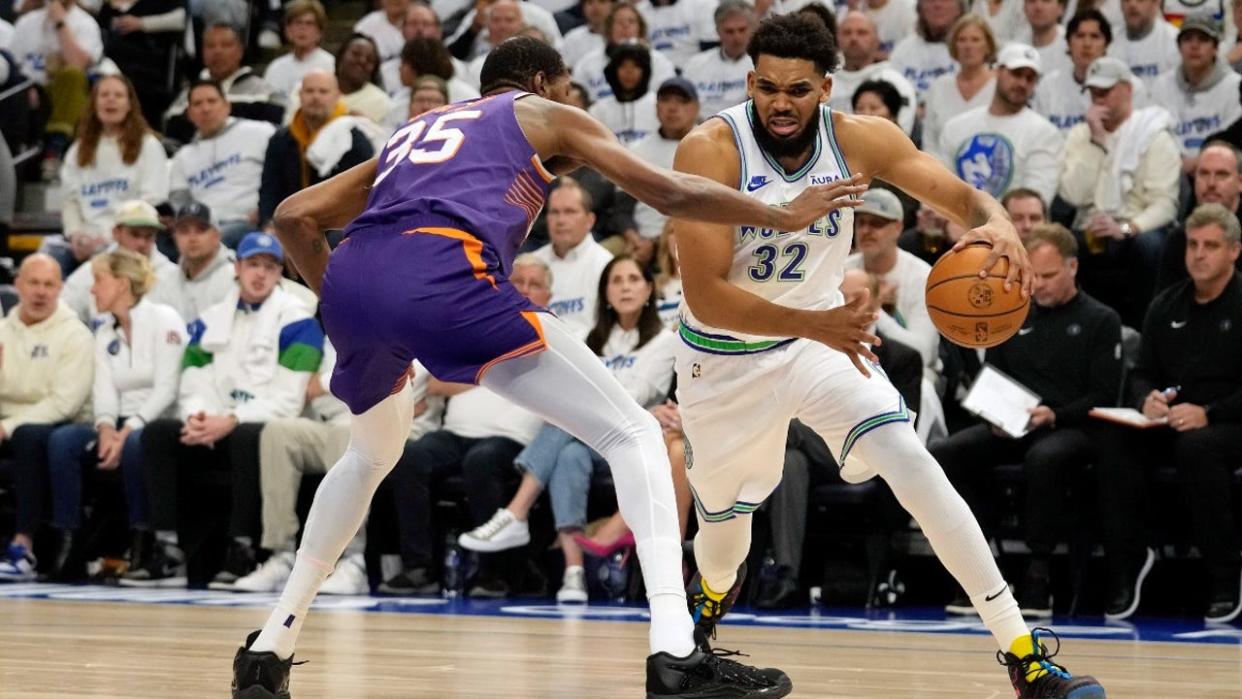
(815, 202)
(1005, 244)
(847, 329)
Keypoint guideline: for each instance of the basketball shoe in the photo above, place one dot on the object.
(260, 675)
(1035, 676)
(707, 607)
(711, 675)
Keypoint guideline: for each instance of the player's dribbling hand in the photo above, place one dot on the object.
(847, 329)
(815, 202)
(1005, 244)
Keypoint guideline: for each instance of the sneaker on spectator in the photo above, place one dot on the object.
(493, 588)
(349, 578)
(502, 532)
(164, 567)
(1126, 587)
(1225, 604)
(18, 565)
(269, 577)
(573, 587)
(410, 581)
(239, 562)
(961, 605)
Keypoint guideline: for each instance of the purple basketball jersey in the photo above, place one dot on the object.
(467, 165)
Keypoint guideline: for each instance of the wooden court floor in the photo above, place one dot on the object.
(77, 649)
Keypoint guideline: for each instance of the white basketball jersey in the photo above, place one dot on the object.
(798, 269)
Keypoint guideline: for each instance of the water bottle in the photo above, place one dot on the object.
(453, 580)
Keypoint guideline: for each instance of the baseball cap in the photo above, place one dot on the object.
(1203, 24)
(1014, 56)
(257, 243)
(882, 203)
(137, 212)
(194, 211)
(1106, 71)
(681, 85)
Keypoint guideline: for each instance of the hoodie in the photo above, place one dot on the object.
(1198, 110)
(630, 114)
(47, 369)
(190, 297)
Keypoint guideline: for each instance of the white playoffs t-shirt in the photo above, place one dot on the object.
(921, 62)
(720, 82)
(34, 39)
(1149, 56)
(1197, 115)
(575, 282)
(224, 171)
(997, 153)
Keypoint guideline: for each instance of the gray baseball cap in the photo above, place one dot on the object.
(1204, 24)
(1106, 71)
(881, 203)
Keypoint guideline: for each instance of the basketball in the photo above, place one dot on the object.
(971, 311)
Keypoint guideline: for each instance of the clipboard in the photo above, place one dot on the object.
(1000, 400)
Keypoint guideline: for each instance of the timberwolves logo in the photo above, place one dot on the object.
(986, 162)
(980, 295)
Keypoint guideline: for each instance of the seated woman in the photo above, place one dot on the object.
(138, 350)
(635, 345)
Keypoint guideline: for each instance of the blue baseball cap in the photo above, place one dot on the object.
(257, 243)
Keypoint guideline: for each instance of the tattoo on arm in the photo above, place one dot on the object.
(317, 245)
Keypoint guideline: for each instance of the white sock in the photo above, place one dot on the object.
(671, 629)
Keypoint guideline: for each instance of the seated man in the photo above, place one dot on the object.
(249, 360)
(47, 363)
(1189, 373)
(1026, 209)
(810, 463)
(223, 165)
(1115, 170)
(250, 95)
(205, 270)
(290, 448)
(137, 224)
(573, 256)
(1068, 352)
(1217, 180)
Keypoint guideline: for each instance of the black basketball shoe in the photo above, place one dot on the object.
(260, 675)
(1052, 681)
(707, 612)
(711, 675)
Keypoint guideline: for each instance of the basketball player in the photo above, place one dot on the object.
(422, 273)
(746, 365)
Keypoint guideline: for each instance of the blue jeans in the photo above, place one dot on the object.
(563, 466)
(67, 454)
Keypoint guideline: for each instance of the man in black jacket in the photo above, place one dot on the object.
(285, 167)
(1189, 374)
(1069, 353)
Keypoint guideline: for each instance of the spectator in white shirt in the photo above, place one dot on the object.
(58, 34)
(223, 166)
(589, 37)
(1043, 30)
(677, 110)
(1061, 97)
(674, 27)
(1005, 144)
(630, 110)
(116, 158)
(923, 56)
(504, 20)
(1005, 17)
(1149, 43)
(719, 74)
(474, 38)
(1201, 92)
(425, 57)
(573, 255)
(204, 272)
(305, 22)
(384, 27)
(973, 46)
(863, 62)
(137, 224)
(1119, 170)
(421, 22)
(894, 20)
(138, 347)
(624, 25)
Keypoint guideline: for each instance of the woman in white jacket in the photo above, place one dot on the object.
(638, 349)
(138, 350)
(115, 158)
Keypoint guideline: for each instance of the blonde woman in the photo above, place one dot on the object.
(973, 46)
(138, 347)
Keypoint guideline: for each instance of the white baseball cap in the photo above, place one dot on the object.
(1015, 55)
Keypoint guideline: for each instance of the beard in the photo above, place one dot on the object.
(779, 147)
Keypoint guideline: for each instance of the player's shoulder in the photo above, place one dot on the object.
(713, 134)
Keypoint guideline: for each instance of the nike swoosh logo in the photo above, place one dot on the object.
(1026, 331)
(757, 184)
(989, 598)
(1177, 324)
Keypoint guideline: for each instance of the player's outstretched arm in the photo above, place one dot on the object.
(879, 148)
(302, 218)
(705, 251)
(580, 137)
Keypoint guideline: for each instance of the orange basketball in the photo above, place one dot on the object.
(969, 310)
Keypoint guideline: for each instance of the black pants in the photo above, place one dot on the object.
(167, 462)
(487, 466)
(1205, 460)
(28, 448)
(1050, 458)
(808, 463)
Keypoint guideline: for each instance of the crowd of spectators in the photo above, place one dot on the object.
(167, 133)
